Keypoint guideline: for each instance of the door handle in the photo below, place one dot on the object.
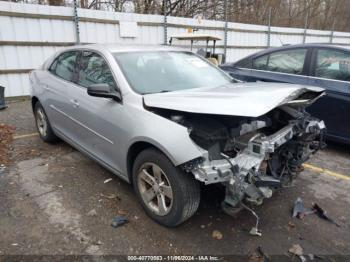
(74, 102)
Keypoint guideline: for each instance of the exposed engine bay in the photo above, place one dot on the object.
(251, 156)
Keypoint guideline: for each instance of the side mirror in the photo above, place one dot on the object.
(103, 90)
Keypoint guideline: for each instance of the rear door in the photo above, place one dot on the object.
(331, 71)
(286, 66)
(57, 86)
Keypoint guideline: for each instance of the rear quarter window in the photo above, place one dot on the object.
(260, 63)
(244, 63)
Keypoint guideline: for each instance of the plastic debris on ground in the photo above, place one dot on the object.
(118, 221)
(320, 212)
(299, 210)
(107, 180)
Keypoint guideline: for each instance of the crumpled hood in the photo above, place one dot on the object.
(238, 99)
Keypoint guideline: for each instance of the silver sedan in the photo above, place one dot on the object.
(167, 120)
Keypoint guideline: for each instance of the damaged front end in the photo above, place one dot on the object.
(251, 156)
(258, 156)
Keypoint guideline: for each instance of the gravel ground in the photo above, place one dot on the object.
(47, 192)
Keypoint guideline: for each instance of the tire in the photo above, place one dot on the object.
(43, 124)
(184, 189)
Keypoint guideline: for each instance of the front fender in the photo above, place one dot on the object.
(178, 153)
(171, 138)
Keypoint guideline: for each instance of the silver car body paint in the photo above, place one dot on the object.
(105, 129)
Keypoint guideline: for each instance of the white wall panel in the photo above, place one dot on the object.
(242, 39)
(15, 84)
(24, 57)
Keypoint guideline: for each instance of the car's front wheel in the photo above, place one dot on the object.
(43, 125)
(168, 194)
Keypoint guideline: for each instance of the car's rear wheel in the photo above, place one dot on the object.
(43, 125)
(168, 194)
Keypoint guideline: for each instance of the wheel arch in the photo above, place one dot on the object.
(34, 100)
(135, 149)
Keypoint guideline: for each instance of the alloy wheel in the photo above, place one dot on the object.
(41, 122)
(155, 189)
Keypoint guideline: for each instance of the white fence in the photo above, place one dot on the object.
(31, 33)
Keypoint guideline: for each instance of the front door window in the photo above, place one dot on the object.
(94, 70)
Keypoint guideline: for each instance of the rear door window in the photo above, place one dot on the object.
(64, 65)
(332, 64)
(289, 61)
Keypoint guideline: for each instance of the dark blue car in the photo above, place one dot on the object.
(322, 65)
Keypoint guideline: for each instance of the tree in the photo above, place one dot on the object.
(291, 13)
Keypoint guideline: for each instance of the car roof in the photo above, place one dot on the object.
(285, 47)
(315, 45)
(113, 48)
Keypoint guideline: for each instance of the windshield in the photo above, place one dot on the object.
(164, 71)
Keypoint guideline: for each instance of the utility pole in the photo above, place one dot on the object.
(76, 22)
(306, 24)
(332, 33)
(269, 29)
(165, 25)
(225, 30)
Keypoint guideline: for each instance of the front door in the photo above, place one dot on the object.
(99, 119)
(331, 71)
